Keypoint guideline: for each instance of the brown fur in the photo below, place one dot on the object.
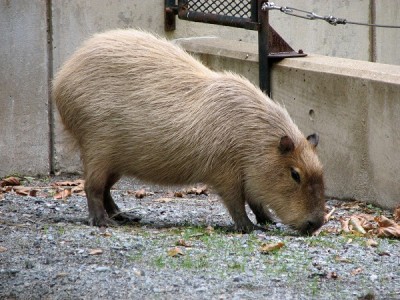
(140, 106)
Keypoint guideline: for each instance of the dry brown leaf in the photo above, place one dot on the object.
(183, 243)
(63, 194)
(202, 190)
(164, 200)
(209, 230)
(176, 251)
(329, 214)
(351, 205)
(140, 193)
(25, 191)
(396, 214)
(355, 222)
(95, 251)
(387, 227)
(179, 194)
(3, 249)
(371, 243)
(78, 190)
(10, 181)
(356, 271)
(106, 234)
(342, 259)
(69, 183)
(267, 248)
(332, 275)
(345, 225)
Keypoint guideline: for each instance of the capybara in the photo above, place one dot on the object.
(138, 105)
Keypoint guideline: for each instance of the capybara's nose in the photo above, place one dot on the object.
(312, 225)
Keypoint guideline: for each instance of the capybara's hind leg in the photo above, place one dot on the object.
(94, 188)
(112, 208)
(109, 204)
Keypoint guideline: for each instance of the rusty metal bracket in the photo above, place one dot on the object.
(247, 14)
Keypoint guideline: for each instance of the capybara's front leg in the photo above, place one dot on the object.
(262, 216)
(235, 204)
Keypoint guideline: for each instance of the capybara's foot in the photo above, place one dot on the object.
(247, 227)
(125, 218)
(103, 221)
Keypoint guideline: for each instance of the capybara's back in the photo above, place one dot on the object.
(140, 106)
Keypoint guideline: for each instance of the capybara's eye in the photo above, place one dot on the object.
(295, 175)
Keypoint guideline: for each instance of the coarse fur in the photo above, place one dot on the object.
(140, 106)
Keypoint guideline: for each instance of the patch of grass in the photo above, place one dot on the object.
(236, 266)
(317, 241)
(135, 256)
(61, 230)
(46, 229)
(160, 261)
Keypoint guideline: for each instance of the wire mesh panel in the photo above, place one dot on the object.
(233, 8)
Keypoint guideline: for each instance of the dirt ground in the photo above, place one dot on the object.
(183, 248)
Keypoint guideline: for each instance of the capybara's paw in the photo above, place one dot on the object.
(125, 218)
(101, 221)
(246, 228)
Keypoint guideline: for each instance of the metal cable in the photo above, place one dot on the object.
(309, 15)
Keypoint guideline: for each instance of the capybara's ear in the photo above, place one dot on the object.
(286, 145)
(313, 139)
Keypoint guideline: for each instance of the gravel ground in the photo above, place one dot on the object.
(48, 252)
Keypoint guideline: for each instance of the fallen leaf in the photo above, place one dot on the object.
(351, 205)
(267, 248)
(3, 249)
(178, 194)
(183, 243)
(202, 190)
(356, 271)
(176, 251)
(163, 200)
(140, 193)
(345, 225)
(355, 222)
(69, 183)
(25, 191)
(342, 259)
(332, 275)
(396, 214)
(63, 194)
(387, 227)
(10, 181)
(106, 234)
(61, 275)
(78, 190)
(329, 214)
(371, 243)
(209, 230)
(95, 251)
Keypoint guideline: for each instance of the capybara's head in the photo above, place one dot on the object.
(295, 189)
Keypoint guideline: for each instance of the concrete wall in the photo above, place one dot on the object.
(24, 122)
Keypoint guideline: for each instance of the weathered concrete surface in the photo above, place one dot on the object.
(353, 105)
(24, 123)
(388, 40)
(320, 37)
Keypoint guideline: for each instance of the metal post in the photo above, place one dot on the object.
(263, 61)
